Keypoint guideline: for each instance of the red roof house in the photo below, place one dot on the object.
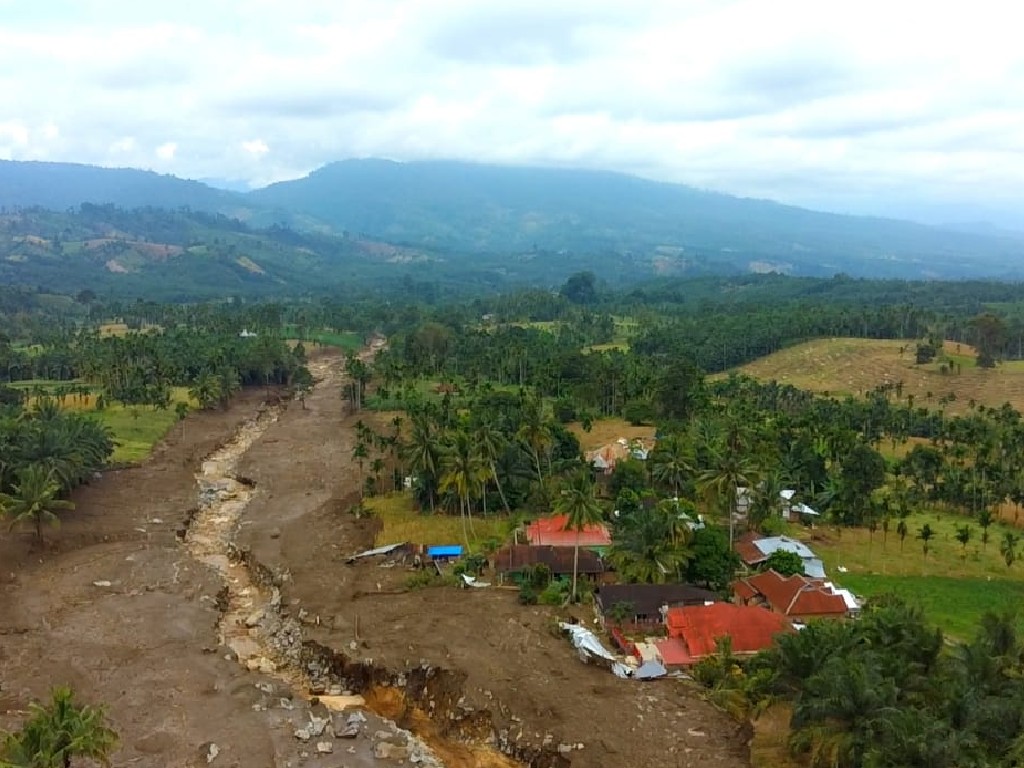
(750, 627)
(552, 531)
(793, 596)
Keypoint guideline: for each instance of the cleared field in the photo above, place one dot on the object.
(136, 428)
(604, 431)
(859, 552)
(855, 366)
(955, 585)
(956, 605)
(401, 522)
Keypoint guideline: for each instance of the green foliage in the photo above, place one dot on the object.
(713, 562)
(651, 545)
(58, 733)
(785, 563)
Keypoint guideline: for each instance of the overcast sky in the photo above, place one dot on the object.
(906, 108)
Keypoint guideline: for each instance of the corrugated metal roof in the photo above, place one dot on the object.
(445, 550)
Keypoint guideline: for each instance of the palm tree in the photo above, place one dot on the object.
(534, 431)
(671, 463)
(57, 733)
(579, 504)
(926, 535)
(423, 455)
(488, 445)
(963, 535)
(461, 475)
(1008, 548)
(985, 519)
(730, 470)
(34, 499)
(650, 545)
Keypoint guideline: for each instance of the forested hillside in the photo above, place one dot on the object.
(498, 227)
(665, 228)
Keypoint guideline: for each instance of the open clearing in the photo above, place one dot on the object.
(955, 585)
(605, 431)
(855, 366)
(402, 522)
(136, 428)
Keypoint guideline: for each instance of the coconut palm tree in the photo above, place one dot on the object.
(34, 499)
(461, 475)
(578, 503)
(488, 442)
(730, 470)
(650, 545)
(422, 454)
(671, 463)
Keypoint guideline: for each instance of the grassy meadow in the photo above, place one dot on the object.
(136, 428)
(401, 521)
(955, 585)
(855, 366)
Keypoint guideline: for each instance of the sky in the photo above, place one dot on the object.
(898, 108)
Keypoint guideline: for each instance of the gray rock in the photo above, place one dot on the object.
(384, 750)
(325, 747)
(303, 734)
(317, 725)
(209, 752)
(347, 731)
(254, 619)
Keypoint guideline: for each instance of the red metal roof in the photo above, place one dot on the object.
(552, 531)
(750, 627)
(792, 595)
(673, 652)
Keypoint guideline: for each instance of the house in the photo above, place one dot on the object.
(511, 561)
(648, 602)
(444, 553)
(789, 510)
(755, 550)
(603, 459)
(796, 597)
(694, 631)
(553, 531)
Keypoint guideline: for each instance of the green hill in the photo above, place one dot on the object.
(659, 228)
(500, 226)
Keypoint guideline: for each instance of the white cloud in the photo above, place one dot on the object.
(256, 147)
(845, 105)
(167, 150)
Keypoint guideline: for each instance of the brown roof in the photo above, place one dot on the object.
(647, 599)
(749, 553)
(792, 595)
(516, 557)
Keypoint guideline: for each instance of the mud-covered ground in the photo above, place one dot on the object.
(149, 643)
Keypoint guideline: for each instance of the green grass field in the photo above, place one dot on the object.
(403, 522)
(136, 428)
(954, 604)
(955, 585)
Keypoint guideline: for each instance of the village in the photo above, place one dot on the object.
(651, 630)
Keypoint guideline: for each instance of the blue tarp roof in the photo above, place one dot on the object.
(447, 550)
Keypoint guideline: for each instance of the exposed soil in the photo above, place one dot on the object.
(198, 641)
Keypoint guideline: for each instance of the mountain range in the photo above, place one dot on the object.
(496, 225)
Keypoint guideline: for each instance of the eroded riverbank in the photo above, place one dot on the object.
(335, 704)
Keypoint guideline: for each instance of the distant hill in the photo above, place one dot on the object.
(183, 255)
(517, 225)
(663, 228)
